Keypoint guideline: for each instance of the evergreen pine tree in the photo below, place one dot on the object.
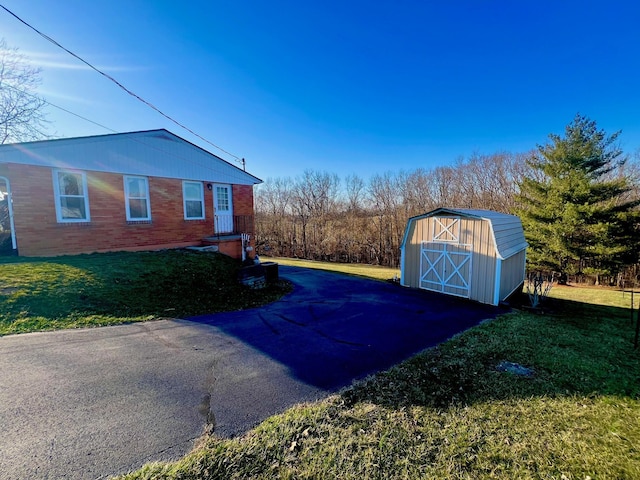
(574, 211)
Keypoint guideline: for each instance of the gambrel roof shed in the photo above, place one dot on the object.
(476, 254)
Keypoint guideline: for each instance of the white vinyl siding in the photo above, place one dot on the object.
(71, 196)
(193, 196)
(136, 196)
(155, 153)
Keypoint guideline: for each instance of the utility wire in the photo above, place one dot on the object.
(24, 92)
(146, 144)
(79, 116)
(110, 78)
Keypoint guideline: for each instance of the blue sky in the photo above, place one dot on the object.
(346, 87)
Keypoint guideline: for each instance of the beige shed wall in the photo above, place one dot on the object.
(512, 274)
(411, 257)
(475, 232)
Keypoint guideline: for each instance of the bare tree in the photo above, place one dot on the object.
(386, 198)
(489, 181)
(21, 110)
(445, 187)
(318, 216)
(273, 220)
(355, 190)
(314, 199)
(417, 192)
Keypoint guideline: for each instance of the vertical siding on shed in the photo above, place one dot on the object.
(475, 232)
(411, 260)
(512, 274)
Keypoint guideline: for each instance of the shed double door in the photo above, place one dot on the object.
(446, 268)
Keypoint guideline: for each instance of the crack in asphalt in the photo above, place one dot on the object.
(337, 340)
(320, 332)
(290, 320)
(147, 329)
(206, 408)
(273, 329)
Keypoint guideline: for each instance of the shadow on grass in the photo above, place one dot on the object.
(45, 293)
(578, 348)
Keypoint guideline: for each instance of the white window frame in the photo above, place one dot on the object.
(58, 197)
(185, 199)
(128, 197)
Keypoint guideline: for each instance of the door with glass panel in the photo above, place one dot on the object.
(223, 208)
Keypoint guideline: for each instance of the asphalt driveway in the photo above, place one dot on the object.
(96, 402)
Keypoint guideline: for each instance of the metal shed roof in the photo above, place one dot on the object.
(157, 153)
(506, 230)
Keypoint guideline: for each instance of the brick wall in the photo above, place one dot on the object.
(243, 205)
(39, 234)
(242, 199)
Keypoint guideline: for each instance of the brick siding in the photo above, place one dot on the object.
(38, 233)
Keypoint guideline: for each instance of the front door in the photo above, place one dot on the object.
(223, 208)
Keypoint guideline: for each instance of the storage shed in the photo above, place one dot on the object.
(475, 254)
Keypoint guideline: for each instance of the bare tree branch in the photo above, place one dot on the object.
(22, 116)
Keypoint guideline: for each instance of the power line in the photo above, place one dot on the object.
(146, 144)
(24, 92)
(79, 116)
(110, 78)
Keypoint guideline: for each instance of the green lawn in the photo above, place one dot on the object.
(361, 270)
(597, 296)
(112, 288)
(450, 413)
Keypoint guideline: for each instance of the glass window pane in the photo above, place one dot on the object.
(137, 188)
(222, 194)
(73, 207)
(138, 208)
(70, 183)
(194, 209)
(193, 191)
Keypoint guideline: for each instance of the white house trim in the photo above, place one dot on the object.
(12, 226)
(85, 196)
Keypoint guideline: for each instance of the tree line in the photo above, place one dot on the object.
(320, 216)
(578, 197)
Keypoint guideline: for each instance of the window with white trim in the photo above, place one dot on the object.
(193, 196)
(136, 197)
(72, 198)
